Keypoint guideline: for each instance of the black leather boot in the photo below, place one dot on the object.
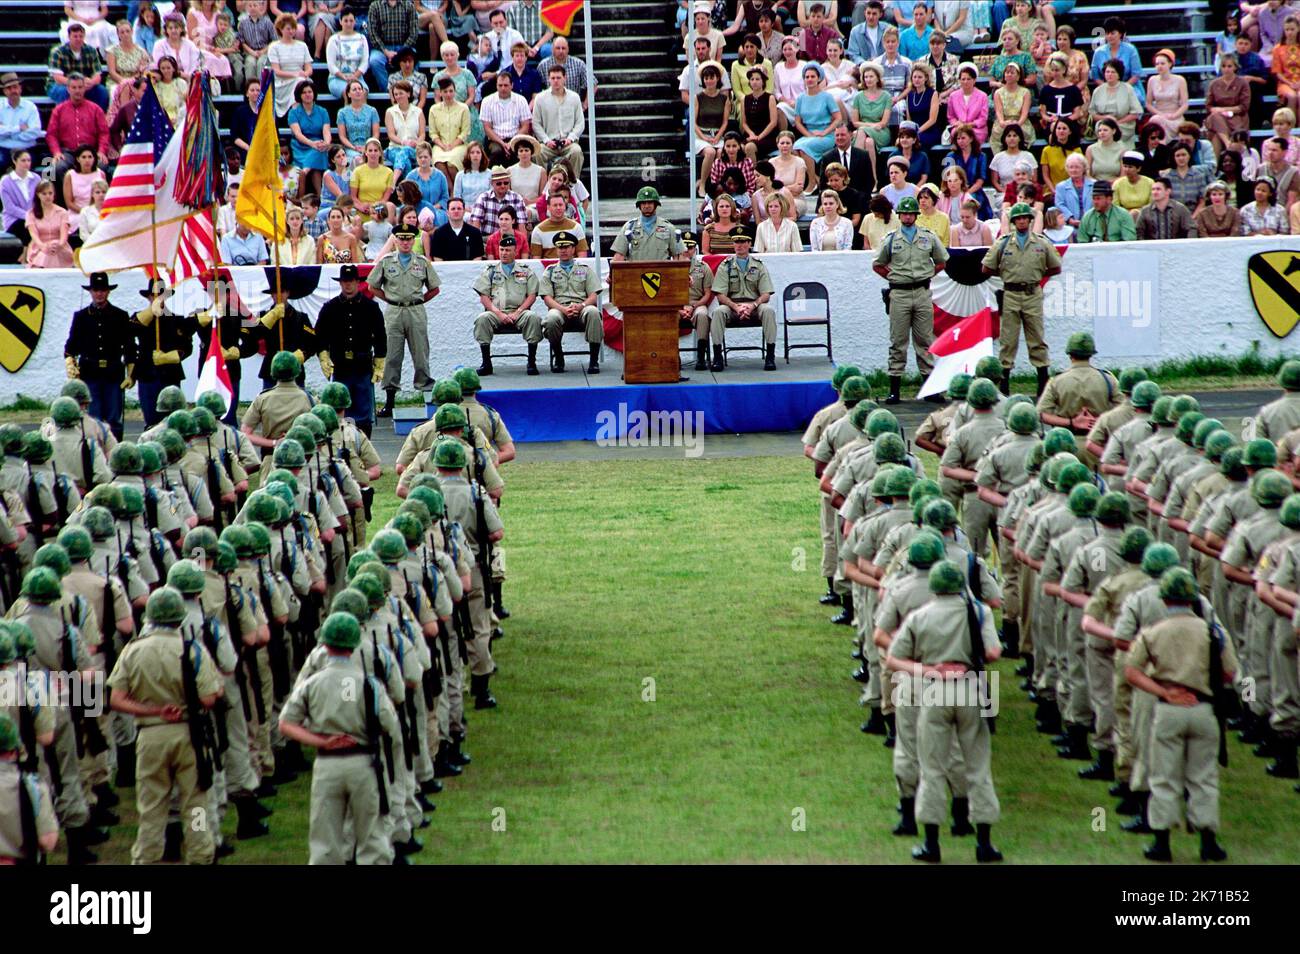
(104, 795)
(895, 386)
(486, 366)
(1139, 826)
(719, 361)
(422, 800)
(984, 850)
(907, 824)
(455, 755)
(769, 357)
(172, 838)
(891, 731)
(1044, 375)
(929, 850)
(250, 824)
(482, 695)
(1253, 732)
(1284, 764)
(431, 786)
(702, 356)
(1010, 639)
(1211, 850)
(104, 816)
(265, 790)
(1026, 668)
(297, 760)
(498, 606)
(125, 766)
(532, 360)
(1130, 802)
(961, 817)
(79, 852)
(593, 365)
(845, 615)
(1158, 850)
(390, 398)
(1049, 717)
(876, 725)
(1119, 790)
(557, 358)
(830, 597)
(863, 675)
(442, 767)
(1005, 382)
(1102, 770)
(1076, 746)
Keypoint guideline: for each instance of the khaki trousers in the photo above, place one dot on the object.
(343, 787)
(939, 729)
(407, 326)
(910, 311)
(1184, 757)
(165, 758)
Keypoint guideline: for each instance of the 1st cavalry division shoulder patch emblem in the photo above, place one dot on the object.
(1275, 289)
(22, 314)
(650, 282)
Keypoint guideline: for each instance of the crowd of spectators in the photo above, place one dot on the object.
(490, 138)
(971, 106)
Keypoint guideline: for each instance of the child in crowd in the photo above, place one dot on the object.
(377, 230)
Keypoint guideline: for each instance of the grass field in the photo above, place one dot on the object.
(694, 584)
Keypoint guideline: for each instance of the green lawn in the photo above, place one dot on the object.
(702, 576)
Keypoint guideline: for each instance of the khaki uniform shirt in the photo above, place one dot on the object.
(1278, 417)
(939, 632)
(332, 702)
(1108, 423)
(1177, 650)
(423, 463)
(507, 290)
(822, 420)
(1080, 386)
(85, 583)
(701, 282)
(742, 284)
(570, 286)
(461, 509)
(11, 829)
(970, 442)
(404, 287)
(1003, 468)
(1105, 602)
(1022, 266)
(1097, 560)
(66, 442)
(937, 426)
(195, 463)
(149, 670)
(661, 242)
(273, 411)
(906, 591)
(487, 420)
(912, 261)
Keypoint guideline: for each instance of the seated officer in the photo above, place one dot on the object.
(507, 290)
(569, 289)
(743, 287)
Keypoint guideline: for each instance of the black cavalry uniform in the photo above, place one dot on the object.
(103, 344)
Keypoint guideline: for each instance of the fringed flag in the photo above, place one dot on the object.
(200, 181)
(559, 14)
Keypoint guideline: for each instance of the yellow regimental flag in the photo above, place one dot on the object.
(260, 204)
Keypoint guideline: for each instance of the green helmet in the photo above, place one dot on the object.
(170, 398)
(36, 448)
(359, 560)
(389, 546)
(1145, 394)
(983, 394)
(132, 502)
(1021, 210)
(1134, 544)
(1162, 410)
(173, 444)
(327, 416)
(41, 585)
(313, 423)
(1072, 474)
(238, 537)
(1059, 440)
(409, 527)
(860, 412)
(341, 631)
(1130, 378)
(449, 417)
(418, 510)
(337, 396)
(65, 412)
(260, 536)
(76, 543)
(377, 571)
(1023, 419)
(648, 194)
(880, 483)
(1112, 509)
(468, 380)
(1158, 558)
(1204, 428)
(371, 587)
(908, 204)
(1036, 459)
(1259, 453)
(925, 550)
(841, 374)
(213, 403)
(449, 455)
(1186, 427)
(989, 367)
(1083, 500)
(281, 492)
(280, 475)
(55, 557)
(1177, 585)
(959, 386)
(205, 422)
(855, 389)
(1052, 472)
(285, 366)
(1181, 405)
(11, 438)
(9, 740)
(351, 601)
(200, 542)
(226, 558)
(923, 489)
(939, 514)
(901, 480)
(426, 479)
(431, 498)
(305, 438)
(24, 639)
(151, 457)
(889, 449)
(182, 422)
(1217, 444)
(1081, 345)
(165, 606)
(945, 576)
(446, 391)
(8, 652)
(186, 577)
(78, 390)
(1270, 487)
(99, 522)
(882, 421)
(262, 507)
(1289, 512)
(289, 453)
(1233, 464)
(1288, 376)
(125, 458)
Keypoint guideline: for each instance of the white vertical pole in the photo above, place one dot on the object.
(690, 120)
(591, 134)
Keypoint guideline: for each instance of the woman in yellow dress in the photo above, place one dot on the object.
(372, 182)
(448, 130)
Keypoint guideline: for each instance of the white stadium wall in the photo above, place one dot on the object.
(1146, 302)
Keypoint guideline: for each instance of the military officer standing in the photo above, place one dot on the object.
(284, 328)
(350, 334)
(163, 342)
(908, 258)
(101, 351)
(1076, 397)
(273, 411)
(698, 299)
(648, 237)
(507, 290)
(1022, 260)
(743, 288)
(406, 281)
(570, 289)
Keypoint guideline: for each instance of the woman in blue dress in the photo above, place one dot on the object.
(357, 122)
(816, 114)
(433, 184)
(309, 126)
(337, 180)
(923, 106)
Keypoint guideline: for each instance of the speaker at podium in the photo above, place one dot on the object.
(650, 295)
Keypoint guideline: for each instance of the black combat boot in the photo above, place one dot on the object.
(961, 817)
(876, 725)
(532, 360)
(1026, 668)
(250, 824)
(173, 836)
(1211, 850)
(79, 852)
(1120, 789)
(486, 367)
(557, 358)
(498, 606)
(1102, 770)
(1139, 825)
(769, 358)
(431, 786)
(390, 398)
(929, 850)
(830, 597)
(297, 760)
(1005, 382)
(1158, 850)
(1048, 717)
(1044, 375)
(862, 674)
(456, 754)
(1010, 639)
(478, 688)
(702, 356)
(845, 615)
(423, 801)
(719, 360)
(103, 815)
(1253, 729)
(907, 824)
(593, 364)
(265, 790)
(104, 795)
(984, 850)
(1130, 802)
(891, 731)
(1284, 764)
(125, 766)
(442, 767)
(1076, 745)
(895, 386)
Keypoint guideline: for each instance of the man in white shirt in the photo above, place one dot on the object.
(226, 213)
(502, 36)
(701, 60)
(504, 116)
(557, 124)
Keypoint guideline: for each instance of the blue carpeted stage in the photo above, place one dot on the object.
(578, 407)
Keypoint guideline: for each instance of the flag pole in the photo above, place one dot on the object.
(275, 230)
(153, 236)
(591, 132)
(690, 125)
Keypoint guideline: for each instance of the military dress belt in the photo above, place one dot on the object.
(1020, 286)
(408, 304)
(909, 286)
(355, 750)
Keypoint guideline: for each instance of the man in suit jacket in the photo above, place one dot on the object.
(862, 174)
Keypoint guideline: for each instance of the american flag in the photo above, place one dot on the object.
(197, 252)
(133, 185)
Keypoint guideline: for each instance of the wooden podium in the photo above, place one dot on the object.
(650, 295)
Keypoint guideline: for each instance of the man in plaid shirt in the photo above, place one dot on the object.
(489, 205)
(575, 70)
(504, 116)
(76, 57)
(390, 26)
(526, 17)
